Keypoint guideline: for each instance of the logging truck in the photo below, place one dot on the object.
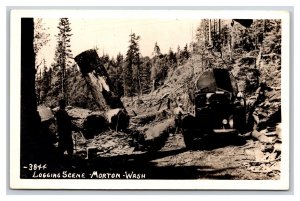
(218, 109)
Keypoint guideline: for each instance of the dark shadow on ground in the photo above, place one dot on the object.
(138, 164)
(219, 141)
(142, 164)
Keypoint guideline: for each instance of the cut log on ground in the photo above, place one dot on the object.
(156, 136)
(93, 123)
(118, 119)
(148, 117)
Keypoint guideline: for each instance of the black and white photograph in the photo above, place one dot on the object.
(149, 100)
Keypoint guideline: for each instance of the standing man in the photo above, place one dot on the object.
(178, 112)
(64, 128)
(253, 104)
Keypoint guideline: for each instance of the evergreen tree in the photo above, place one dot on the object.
(78, 93)
(132, 81)
(172, 59)
(156, 51)
(46, 83)
(178, 53)
(63, 52)
(119, 81)
(155, 69)
(160, 68)
(153, 75)
(54, 93)
(185, 53)
(127, 74)
(144, 74)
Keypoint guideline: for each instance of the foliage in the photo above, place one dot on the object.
(41, 37)
(132, 82)
(240, 49)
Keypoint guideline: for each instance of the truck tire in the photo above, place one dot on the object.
(188, 139)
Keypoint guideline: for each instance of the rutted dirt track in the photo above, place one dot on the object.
(228, 158)
(237, 160)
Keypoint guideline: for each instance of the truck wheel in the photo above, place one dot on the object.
(189, 139)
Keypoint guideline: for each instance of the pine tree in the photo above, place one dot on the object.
(178, 55)
(185, 53)
(40, 39)
(144, 74)
(127, 76)
(155, 69)
(119, 78)
(54, 92)
(63, 52)
(46, 82)
(156, 51)
(172, 59)
(132, 81)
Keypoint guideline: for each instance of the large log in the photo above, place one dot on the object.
(156, 136)
(102, 89)
(93, 123)
(149, 117)
(88, 122)
(118, 119)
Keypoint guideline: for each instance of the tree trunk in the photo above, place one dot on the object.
(258, 59)
(214, 32)
(102, 89)
(149, 117)
(29, 115)
(220, 27)
(97, 78)
(209, 34)
(231, 46)
(153, 86)
(140, 84)
(34, 145)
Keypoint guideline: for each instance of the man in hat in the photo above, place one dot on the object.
(253, 105)
(64, 129)
(178, 112)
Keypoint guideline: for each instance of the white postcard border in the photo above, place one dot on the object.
(16, 182)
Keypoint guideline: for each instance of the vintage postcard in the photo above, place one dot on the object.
(149, 99)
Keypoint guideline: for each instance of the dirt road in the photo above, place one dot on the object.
(238, 158)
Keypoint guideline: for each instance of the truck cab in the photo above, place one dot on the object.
(218, 109)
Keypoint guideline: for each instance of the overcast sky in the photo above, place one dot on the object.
(112, 35)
